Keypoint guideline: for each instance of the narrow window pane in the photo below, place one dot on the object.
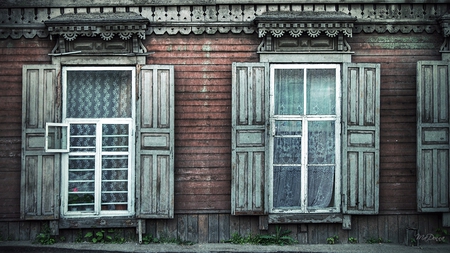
(114, 182)
(82, 137)
(99, 94)
(81, 184)
(320, 186)
(321, 91)
(321, 151)
(287, 142)
(321, 142)
(115, 137)
(286, 186)
(289, 91)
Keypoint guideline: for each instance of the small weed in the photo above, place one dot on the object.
(440, 235)
(44, 237)
(79, 237)
(333, 240)
(377, 240)
(98, 237)
(413, 242)
(281, 237)
(352, 240)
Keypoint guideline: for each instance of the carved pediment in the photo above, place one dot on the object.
(99, 33)
(304, 31)
(306, 22)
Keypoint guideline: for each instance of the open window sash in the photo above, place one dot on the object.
(57, 137)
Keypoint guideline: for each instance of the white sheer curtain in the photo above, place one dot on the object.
(290, 86)
(93, 95)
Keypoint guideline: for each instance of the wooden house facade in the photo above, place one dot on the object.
(199, 119)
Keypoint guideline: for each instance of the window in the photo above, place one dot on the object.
(98, 141)
(98, 170)
(305, 138)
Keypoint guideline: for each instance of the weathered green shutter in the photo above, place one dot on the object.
(249, 125)
(360, 137)
(433, 175)
(155, 142)
(40, 175)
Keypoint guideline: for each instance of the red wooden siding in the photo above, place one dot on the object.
(202, 114)
(14, 54)
(398, 55)
(203, 134)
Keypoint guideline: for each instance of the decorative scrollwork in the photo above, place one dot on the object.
(141, 35)
(88, 34)
(262, 33)
(313, 33)
(125, 35)
(296, 33)
(332, 33)
(277, 33)
(70, 36)
(347, 32)
(107, 36)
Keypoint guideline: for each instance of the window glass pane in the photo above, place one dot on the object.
(287, 142)
(320, 186)
(115, 137)
(289, 91)
(81, 183)
(321, 142)
(321, 151)
(321, 91)
(114, 182)
(286, 186)
(99, 94)
(82, 137)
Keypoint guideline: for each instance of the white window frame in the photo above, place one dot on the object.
(65, 212)
(64, 140)
(336, 208)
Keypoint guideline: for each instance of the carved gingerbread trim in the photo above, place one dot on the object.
(105, 25)
(297, 23)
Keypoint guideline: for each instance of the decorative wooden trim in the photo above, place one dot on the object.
(219, 17)
(125, 3)
(123, 30)
(310, 22)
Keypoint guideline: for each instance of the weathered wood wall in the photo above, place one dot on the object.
(398, 55)
(203, 132)
(214, 228)
(13, 55)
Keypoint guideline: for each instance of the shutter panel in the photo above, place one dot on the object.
(249, 119)
(40, 175)
(155, 142)
(433, 176)
(360, 137)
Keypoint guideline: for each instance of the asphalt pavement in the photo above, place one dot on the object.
(27, 246)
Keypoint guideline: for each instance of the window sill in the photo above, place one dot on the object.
(104, 222)
(306, 218)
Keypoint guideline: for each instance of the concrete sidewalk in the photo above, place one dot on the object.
(26, 246)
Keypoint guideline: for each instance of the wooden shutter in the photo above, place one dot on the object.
(40, 175)
(249, 126)
(155, 142)
(433, 174)
(360, 137)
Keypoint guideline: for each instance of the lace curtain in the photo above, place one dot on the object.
(98, 94)
(290, 99)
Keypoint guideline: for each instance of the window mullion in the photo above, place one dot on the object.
(304, 167)
(98, 167)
